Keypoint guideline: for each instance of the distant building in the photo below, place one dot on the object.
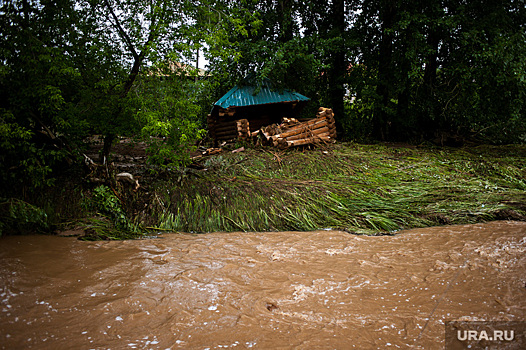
(167, 69)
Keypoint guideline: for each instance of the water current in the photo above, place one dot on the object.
(277, 290)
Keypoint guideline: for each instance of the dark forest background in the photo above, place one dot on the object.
(392, 70)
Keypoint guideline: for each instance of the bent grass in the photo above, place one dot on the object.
(369, 189)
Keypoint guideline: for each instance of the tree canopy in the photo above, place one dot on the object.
(390, 69)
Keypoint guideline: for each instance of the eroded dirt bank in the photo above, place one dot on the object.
(282, 290)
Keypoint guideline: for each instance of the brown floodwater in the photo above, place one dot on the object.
(278, 290)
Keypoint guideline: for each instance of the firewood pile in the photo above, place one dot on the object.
(291, 132)
(243, 129)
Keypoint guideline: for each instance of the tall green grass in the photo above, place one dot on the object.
(367, 189)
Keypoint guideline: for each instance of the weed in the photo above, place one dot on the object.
(110, 221)
(18, 216)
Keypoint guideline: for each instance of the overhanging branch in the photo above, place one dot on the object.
(121, 30)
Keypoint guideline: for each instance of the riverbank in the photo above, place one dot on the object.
(365, 189)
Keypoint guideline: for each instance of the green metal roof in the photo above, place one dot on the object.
(249, 95)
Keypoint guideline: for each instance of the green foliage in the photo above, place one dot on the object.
(254, 39)
(67, 70)
(17, 216)
(37, 87)
(23, 163)
(170, 117)
(106, 203)
(111, 221)
(456, 70)
(424, 68)
(411, 70)
(490, 93)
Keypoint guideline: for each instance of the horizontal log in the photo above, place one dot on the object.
(303, 128)
(282, 143)
(310, 140)
(233, 132)
(225, 122)
(227, 132)
(226, 128)
(261, 122)
(313, 121)
(272, 130)
(310, 133)
(226, 112)
(329, 118)
(303, 124)
(226, 137)
(313, 137)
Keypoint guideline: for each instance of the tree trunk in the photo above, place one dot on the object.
(284, 10)
(106, 147)
(381, 119)
(134, 72)
(339, 69)
(430, 119)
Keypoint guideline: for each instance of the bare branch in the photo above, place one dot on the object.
(121, 30)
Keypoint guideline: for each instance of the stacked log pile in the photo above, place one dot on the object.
(291, 132)
(243, 129)
(226, 130)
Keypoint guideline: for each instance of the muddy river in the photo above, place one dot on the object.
(281, 290)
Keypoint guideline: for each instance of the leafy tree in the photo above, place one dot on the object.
(413, 69)
(137, 32)
(169, 112)
(68, 68)
(483, 70)
(438, 66)
(38, 86)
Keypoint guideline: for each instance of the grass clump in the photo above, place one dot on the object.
(109, 221)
